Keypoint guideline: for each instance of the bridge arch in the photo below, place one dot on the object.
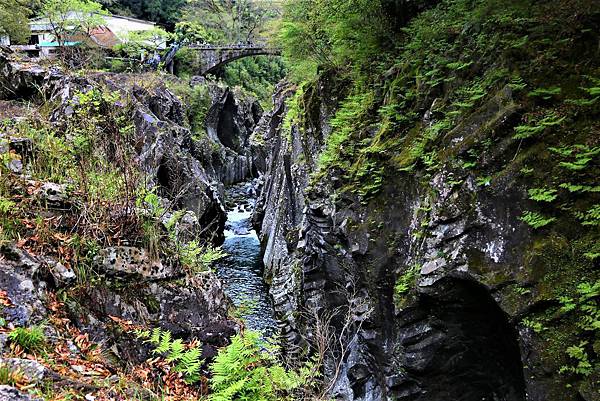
(212, 57)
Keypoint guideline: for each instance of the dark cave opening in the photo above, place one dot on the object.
(475, 354)
(227, 130)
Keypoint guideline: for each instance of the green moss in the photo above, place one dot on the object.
(152, 304)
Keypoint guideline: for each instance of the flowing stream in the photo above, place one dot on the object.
(241, 270)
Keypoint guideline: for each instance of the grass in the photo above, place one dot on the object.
(31, 339)
(10, 377)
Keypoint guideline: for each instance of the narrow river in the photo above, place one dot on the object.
(241, 270)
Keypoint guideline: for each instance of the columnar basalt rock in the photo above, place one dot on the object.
(456, 333)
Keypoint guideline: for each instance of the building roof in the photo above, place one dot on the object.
(43, 24)
(115, 29)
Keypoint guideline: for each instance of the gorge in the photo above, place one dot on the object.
(414, 216)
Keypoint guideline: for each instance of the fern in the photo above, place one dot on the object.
(574, 188)
(164, 344)
(247, 370)
(528, 131)
(542, 194)
(581, 156)
(545, 93)
(155, 336)
(579, 354)
(582, 102)
(189, 364)
(457, 66)
(536, 220)
(591, 217)
(517, 84)
(176, 352)
(187, 359)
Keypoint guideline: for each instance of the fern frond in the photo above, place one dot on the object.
(164, 345)
(176, 352)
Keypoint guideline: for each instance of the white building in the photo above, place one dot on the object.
(115, 30)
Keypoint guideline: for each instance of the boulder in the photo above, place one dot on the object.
(131, 261)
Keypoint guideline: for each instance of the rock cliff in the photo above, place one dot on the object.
(436, 287)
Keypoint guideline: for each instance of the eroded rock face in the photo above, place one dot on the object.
(22, 80)
(230, 122)
(132, 285)
(31, 370)
(189, 308)
(456, 334)
(131, 261)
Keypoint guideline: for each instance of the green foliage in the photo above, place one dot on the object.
(135, 43)
(198, 100)
(191, 32)
(542, 194)
(405, 283)
(536, 326)
(199, 258)
(517, 84)
(579, 156)
(590, 217)
(14, 21)
(185, 357)
(538, 126)
(31, 339)
(349, 35)
(580, 356)
(586, 309)
(64, 23)
(545, 93)
(192, 255)
(484, 181)
(231, 21)
(248, 370)
(256, 75)
(536, 220)
(6, 205)
(350, 118)
(575, 188)
(9, 376)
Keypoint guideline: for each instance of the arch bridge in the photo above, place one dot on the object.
(213, 57)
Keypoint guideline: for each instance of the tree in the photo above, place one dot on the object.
(191, 32)
(140, 42)
(343, 34)
(69, 18)
(13, 20)
(231, 21)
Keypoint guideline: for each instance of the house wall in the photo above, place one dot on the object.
(122, 26)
